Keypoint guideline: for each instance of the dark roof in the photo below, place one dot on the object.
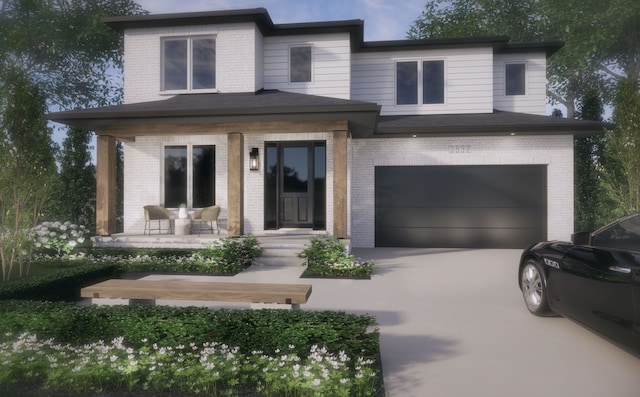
(495, 123)
(364, 119)
(354, 27)
(264, 105)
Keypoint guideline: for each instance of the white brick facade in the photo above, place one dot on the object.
(555, 152)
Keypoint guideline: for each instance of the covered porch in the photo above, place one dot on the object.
(237, 117)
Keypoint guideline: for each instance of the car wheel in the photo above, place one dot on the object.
(534, 289)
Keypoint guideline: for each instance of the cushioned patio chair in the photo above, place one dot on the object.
(205, 218)
(156, 213)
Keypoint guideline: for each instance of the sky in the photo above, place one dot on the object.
(383, 19)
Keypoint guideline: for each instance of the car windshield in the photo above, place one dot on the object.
(623, 235)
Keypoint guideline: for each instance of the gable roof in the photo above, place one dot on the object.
(354, 27)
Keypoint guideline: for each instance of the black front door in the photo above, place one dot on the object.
(295, 185)
(296, 196)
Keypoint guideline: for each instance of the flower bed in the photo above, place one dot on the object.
(327, 257)
(185, 351)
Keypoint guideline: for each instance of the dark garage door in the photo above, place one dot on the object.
(460, 206)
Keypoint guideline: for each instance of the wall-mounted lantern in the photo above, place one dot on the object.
(254, 161)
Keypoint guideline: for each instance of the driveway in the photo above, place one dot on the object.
(453, 324)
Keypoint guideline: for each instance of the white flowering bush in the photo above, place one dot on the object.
(204, 369)
(61, 237)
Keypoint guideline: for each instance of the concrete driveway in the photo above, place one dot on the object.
(453, 324)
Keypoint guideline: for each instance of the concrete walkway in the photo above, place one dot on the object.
(453, 324)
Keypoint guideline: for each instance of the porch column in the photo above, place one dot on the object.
(235, 184)
(340, 184)
(105, 185)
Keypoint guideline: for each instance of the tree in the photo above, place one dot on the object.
(73, 59)
(590, 199)
(620, 167)
(26, 153)
(65, 49)
(74, 197)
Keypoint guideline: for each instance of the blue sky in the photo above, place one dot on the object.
(383, 19)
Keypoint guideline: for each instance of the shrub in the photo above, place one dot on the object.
(63, 285)
(59, 237)
(328, 257)
(232, 254)
(154, 350)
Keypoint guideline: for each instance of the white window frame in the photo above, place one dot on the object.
(301, 45)
(420, 82)
(526, 77)
(189, 40)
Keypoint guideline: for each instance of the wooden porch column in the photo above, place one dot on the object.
(105, 185)
(340, 184)
(235, 184)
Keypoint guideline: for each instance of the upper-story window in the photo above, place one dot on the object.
(515, 78)
(189, 63)
(424, 80)
(300, 64)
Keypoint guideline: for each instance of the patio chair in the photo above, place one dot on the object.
(159, 214)
(205, 218)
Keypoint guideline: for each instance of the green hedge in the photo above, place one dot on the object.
(63, 285)
(250, 330)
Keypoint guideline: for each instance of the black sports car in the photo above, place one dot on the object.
(594, 280)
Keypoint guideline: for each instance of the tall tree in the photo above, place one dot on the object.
(65, 48)
(621, 166)
(589, 198)
(74, 197)
(73, 59)
(28, 167)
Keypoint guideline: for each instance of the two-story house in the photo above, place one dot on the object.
(307, 128)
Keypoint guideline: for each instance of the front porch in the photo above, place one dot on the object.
(291, 239)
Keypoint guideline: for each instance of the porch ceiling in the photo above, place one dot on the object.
(262, 111)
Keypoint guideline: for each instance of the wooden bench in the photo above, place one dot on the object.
(117, 291)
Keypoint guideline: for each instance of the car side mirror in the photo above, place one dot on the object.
(581, 238)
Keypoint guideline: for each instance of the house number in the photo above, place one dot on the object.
(459, 149)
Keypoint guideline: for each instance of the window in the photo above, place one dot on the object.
(515, 74)
(419, 79)
(189, 176)
(300, 64)
(188, 63)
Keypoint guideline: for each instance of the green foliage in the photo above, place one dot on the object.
(187, 350)
(328, 257)
(59, 237)
(227, 256)
(620, 168)
(591, 209)
(26, 155)
(74, 196)
(232, 254)
(65, 48)
(63, 285)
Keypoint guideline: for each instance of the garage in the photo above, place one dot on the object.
(479, 206)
